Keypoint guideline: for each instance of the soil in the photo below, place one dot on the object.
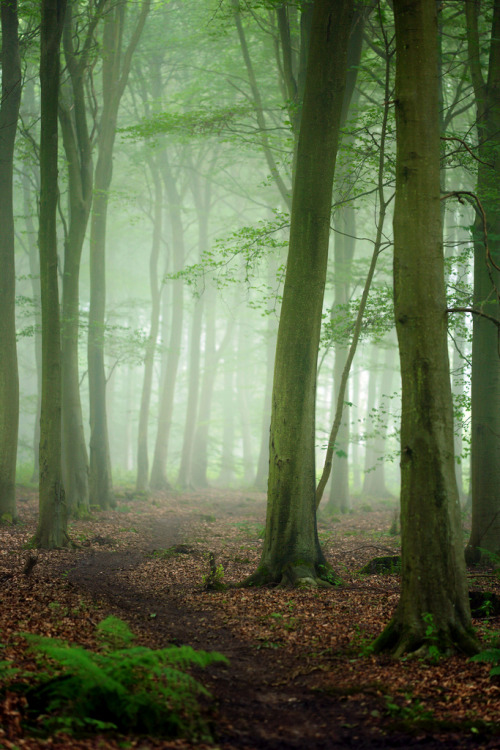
(300, 672)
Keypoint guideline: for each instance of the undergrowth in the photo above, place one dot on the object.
(121, 687)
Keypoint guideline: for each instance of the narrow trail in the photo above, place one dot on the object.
(262, 700)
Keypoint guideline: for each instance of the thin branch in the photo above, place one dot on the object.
(468, 148)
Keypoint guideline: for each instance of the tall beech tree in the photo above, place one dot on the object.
(52, 521)
(158, 479)
(78, 150)
(291, 553)
(434, 583)
(117, 59)
(485, 390)
(9, 378)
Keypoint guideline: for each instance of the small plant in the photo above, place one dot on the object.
(487, 607)
(362, 642)
(121, 687)
(491, 656)
(411, 710)
(214, 579)
(431, 637)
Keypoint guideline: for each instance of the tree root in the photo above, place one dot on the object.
(397, 641)
(293, 575)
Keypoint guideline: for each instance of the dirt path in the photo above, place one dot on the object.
(265, 698)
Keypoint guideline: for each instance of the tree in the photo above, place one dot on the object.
(52, 521)
(291, 552)
(434, 583)
(9, 377)
(115, 72)
(485, 387)
(78, 149)
(158, 479)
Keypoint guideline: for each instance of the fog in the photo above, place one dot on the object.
(195, 251)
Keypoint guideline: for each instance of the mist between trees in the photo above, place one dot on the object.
(201, 145)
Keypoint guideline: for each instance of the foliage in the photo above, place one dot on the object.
(199, 122)
(121, 687)
(411, 710)
(240, 255)
(214, 580)
(491, 656)
(431, 637)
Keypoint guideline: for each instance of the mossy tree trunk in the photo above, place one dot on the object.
(434, 585)
(9, 377)
(52, 521)
(485, 391)
(291, 553)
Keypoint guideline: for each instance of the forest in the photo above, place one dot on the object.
(249, 374)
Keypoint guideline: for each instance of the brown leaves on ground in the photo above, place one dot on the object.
(301, 671)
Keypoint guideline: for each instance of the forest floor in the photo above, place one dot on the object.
(300, 674)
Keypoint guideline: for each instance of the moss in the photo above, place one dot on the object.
(386, 564)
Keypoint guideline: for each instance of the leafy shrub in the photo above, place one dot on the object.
(121, 687)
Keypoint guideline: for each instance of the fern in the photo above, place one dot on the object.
(127, 689)
(492, 656)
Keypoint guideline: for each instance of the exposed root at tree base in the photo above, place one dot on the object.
(399, 641)
(298, 576)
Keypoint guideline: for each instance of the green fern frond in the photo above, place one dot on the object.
(125, 688)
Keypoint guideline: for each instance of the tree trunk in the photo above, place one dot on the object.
(158, 479)
(52, 521)
(184, 477)
(199, 463)
(202, 201)
(9, 377)
(212, 358)
(374, 484)
(78, 151)
(262, 473)
(226, 475)
(339, 498)
(34, 266)
(370, 418)
(29, 107)
(115, 72)
(291, 553)
(485, 390)
(433, 609)
(242, 388)
(356, 468)
(155, 288)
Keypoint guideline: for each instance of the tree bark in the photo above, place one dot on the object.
(291, 553)
(485, 388)
(52, 521)
(433, 584)
(9, 377)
